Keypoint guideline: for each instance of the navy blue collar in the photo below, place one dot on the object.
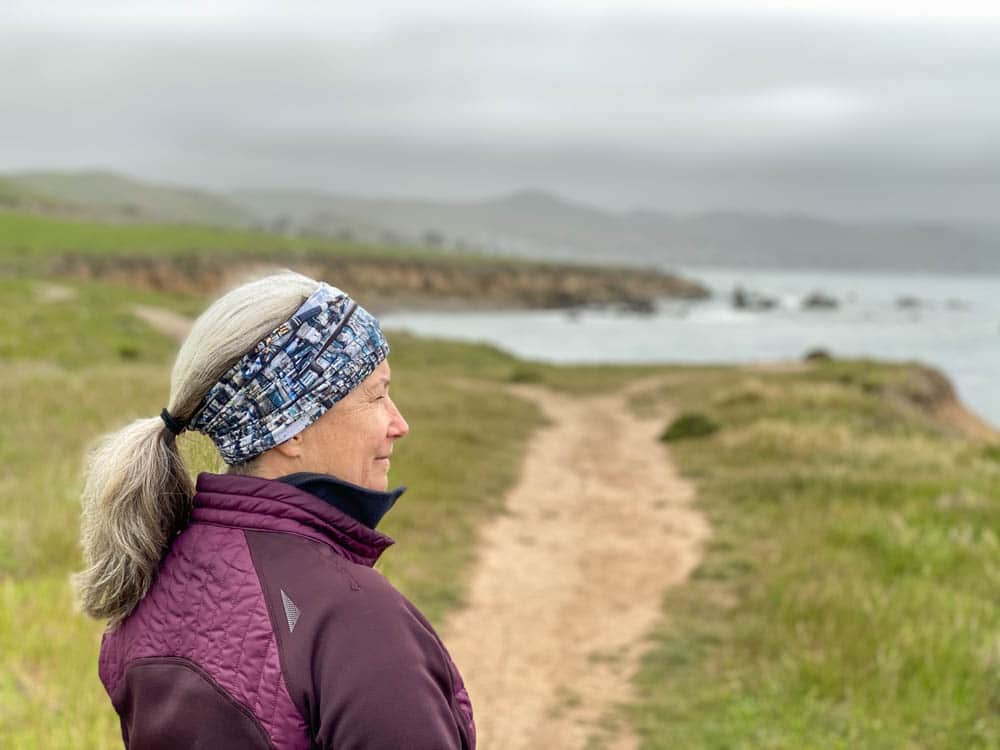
(360, 503)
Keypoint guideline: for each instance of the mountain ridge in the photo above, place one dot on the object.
(536, 223)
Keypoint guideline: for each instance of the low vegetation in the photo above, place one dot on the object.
(688, 426)
(847, 598)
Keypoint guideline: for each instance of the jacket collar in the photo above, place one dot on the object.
(360, 503)
(270, 505)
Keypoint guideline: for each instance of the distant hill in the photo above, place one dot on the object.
(116, 197)
(529, 223)
(793, 241)
(539, 224)
(18, 196)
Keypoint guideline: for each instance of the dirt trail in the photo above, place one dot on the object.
(167, 322)
(53, 293)
(571, 578)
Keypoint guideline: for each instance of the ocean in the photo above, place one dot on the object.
(949, 322)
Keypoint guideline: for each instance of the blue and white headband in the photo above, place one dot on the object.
(290, 378)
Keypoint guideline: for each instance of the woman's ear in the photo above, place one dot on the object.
(291, 448)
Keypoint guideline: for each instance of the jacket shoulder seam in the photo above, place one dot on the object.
(329, 544)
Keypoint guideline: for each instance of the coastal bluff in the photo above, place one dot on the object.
(402, 282)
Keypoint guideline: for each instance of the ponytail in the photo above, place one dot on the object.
(136, 497)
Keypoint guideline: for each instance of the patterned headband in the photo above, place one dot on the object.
(289, 379)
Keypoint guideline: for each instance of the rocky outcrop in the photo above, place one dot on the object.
(744, 299)
(908, 302)
(820, 301)
(930, 392)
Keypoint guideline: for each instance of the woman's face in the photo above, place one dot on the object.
(353, 440)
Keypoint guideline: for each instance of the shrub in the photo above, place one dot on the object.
(689, 425)
(520, 374)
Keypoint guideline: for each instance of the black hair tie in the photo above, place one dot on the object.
(172, 424)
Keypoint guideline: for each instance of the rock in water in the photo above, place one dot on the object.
(820, 301)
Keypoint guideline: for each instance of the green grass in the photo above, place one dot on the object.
(78, 324)
(31, 241)
(50, 694)
(847, 598)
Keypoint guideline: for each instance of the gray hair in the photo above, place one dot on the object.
(137, 492)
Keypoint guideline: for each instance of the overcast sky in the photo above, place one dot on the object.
(850, 109)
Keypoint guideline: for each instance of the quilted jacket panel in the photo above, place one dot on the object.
(207, 606)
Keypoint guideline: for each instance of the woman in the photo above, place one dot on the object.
(245, 612)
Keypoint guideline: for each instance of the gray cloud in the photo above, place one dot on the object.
(857, 117)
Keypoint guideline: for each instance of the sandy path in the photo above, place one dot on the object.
(167, 322)
(572, 577)
(54, 293)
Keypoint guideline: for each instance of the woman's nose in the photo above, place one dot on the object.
(398, 426)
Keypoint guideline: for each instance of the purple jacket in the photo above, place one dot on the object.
(267, 627)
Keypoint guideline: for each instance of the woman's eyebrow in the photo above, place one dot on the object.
(375, 387)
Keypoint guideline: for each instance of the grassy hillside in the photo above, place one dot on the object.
(848, 596)
(13, 195)
(34, 238)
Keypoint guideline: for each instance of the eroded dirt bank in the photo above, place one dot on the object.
(391, 283)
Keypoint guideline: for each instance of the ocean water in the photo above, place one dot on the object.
(950, 322)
